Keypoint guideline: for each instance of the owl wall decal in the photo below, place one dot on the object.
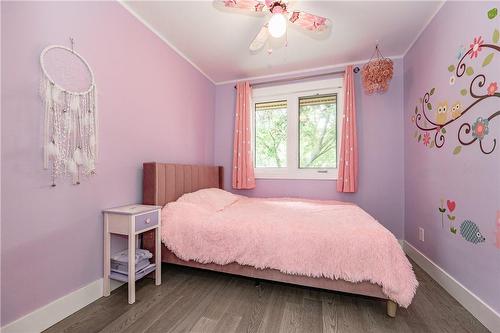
(456, 110)
(442, 113)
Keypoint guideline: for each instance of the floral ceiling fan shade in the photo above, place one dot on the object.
(281, 16)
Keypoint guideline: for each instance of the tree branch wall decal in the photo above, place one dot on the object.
(480, 89)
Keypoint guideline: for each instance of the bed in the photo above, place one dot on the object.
(165, 183)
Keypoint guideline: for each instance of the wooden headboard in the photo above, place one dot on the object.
(164, 182)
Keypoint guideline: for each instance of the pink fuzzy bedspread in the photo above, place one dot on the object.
(314, 238)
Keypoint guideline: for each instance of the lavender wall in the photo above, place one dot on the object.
(380, 137)
(470, 178)
(153, 106)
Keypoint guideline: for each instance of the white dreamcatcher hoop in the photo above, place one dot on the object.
(70, 124)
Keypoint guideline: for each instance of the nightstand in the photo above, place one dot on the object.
(131, 221)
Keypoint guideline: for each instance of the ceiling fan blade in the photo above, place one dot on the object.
(250, 5)
(259, 40)
(309, 21)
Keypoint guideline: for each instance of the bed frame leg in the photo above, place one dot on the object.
(391, 308)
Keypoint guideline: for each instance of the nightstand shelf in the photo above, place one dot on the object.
(131, 221)
(124, 278)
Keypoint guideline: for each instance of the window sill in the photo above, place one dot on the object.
(331, 175)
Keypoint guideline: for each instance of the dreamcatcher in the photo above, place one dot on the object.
(70, 122)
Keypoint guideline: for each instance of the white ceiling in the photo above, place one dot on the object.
(216, 40)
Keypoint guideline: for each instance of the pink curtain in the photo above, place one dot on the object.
(348, 164)
(243, 176)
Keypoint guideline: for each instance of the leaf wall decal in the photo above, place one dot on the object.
(492, 13)
(496, 36)
(469, 71)
(488, 59)
(463, 92)
(429, 106)
(457, 150)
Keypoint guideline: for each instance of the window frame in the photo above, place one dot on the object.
(291, 93)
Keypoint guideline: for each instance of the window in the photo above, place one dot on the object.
(295, 128)
(270, 134)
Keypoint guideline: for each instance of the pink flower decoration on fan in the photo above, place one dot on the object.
(308, 21)
(427, 138)
(476, 46)
(492, 88)
(278, 10)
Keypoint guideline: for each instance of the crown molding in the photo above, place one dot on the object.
(302, 71)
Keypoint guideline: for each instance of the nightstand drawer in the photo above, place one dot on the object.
(145, 221)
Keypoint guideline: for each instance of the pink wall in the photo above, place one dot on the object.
(380, 137)
(153, 106)
(471, 178)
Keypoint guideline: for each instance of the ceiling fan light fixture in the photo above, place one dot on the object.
(277, 25)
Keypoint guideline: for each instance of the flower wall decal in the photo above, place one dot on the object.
(427, 139)
(480, 128)
(476, 47)
(436, 119)
(492, 88)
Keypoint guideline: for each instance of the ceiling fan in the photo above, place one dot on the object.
(280, 16)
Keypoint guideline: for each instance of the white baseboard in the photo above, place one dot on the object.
(46, 316)
(482, 311)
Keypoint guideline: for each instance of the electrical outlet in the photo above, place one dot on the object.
(421, 234)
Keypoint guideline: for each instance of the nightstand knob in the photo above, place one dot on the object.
(147, 221)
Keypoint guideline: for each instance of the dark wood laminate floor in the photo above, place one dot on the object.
(192, 300)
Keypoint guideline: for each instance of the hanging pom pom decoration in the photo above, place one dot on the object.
(70, 124)
(377, 73)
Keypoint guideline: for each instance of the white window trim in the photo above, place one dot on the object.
(291, 93)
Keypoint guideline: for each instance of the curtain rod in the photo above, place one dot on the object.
(300, 78)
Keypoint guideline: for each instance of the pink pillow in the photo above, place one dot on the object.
(213, 199)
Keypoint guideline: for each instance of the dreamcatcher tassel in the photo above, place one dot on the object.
(89, 166)
(52, 150)
(95, 124)
(56, 95)
(72, 168)
(77, 156)
(47, 94)
(75, 104)
(92, 142)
